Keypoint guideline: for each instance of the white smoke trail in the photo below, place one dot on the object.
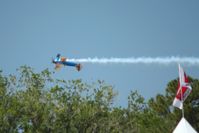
(141, 60)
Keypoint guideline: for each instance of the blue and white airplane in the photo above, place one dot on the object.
(62, 61)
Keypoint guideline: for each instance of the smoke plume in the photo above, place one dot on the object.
(140, 60)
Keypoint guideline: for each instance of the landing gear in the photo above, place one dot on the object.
(78, 67)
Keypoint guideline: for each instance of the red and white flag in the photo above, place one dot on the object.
(183, 90)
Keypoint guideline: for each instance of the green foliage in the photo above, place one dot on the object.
(35, 102)
(170, 116)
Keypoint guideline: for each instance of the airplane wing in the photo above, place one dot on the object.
(58, 66)
(63, 59)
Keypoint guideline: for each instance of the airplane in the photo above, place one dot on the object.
(62, 61)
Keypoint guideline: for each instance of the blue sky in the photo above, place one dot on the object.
(32, 32)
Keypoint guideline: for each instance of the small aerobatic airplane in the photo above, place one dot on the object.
(62, 61)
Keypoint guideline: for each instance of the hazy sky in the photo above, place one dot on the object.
(33, 31)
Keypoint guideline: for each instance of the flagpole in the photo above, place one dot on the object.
(180, 80)
(182, 103)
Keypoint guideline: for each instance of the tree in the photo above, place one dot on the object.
(35, 102)
(161, 105)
